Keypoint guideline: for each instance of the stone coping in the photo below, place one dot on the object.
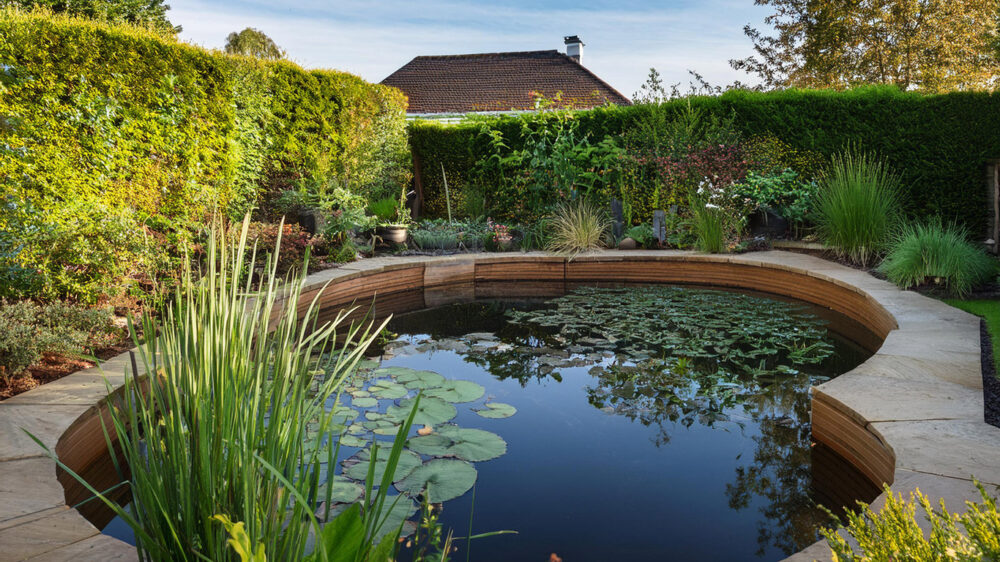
(912, 415)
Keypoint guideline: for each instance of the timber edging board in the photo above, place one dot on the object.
(912, 415)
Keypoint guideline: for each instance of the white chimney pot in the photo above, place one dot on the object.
(574, 48)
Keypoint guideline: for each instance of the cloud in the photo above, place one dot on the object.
(374, 38)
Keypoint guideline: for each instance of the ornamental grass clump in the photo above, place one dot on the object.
(932, 252)
(239, 417)
(857, 207)
(576, 228)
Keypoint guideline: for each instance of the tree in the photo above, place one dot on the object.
(145, 13)
(253, 43)
(927, 45)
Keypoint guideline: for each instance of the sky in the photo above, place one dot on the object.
(372, 38)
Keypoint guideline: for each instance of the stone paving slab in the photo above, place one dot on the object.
(27, 487)
(98, 547)
(888, 399)
(44, 535)
(45, 421)
(955, 448)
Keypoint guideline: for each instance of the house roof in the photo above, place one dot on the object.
(498, 82)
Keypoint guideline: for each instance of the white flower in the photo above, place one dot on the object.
(711, 206)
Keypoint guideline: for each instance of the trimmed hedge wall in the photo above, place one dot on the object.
(135, 119)
(114, 118)
(938, 143)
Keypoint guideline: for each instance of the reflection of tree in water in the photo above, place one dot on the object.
(665, 357)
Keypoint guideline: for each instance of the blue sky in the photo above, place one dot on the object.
(373, 38)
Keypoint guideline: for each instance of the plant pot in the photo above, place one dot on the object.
(627, 244)
(765, 222)
(392, 234)
(312, 221)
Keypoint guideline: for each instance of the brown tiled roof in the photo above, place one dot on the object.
(498, 82)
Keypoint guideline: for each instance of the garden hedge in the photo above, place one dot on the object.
(120, 118)
(939, 144)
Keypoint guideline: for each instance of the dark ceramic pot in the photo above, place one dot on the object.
(766, 222)
(312, 221)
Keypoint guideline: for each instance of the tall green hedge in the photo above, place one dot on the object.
(938, 143)
(119, 118)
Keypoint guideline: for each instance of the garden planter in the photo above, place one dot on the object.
(991, 384)
(312, 221)
(765, 222)
(392, 234)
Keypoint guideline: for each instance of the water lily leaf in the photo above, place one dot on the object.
(497, 410)
(431, 411)
(382, 427)
(473, 445)
(442, 479)
(387, 389)
(408, 461)
(343, 490)
(457, 391)
(360, 394)
(415, 380)
(352, 441)
(364, 402)
(435, 445)
(396, 512)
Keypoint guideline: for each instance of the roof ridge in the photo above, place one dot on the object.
(475, 55)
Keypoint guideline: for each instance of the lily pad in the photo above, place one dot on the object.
(415, 380)
(387, 389)
(473, 445)
(497, 410)
(343, 490)
(364, 402)
(442, 479)
(352, 441)
(408, 461)
(457, 391)
(431, 411)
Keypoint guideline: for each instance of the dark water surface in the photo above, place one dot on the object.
(585, 478)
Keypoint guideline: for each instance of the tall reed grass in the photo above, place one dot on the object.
(237, 421)
(709, 224)
(932, 252)
(858, 206)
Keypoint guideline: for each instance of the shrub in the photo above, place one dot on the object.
(294, 243)
(931, 252)
(857, 206)
(782, 192)
(576, 227)
(642, 234)
(29, 330)
(893, 532)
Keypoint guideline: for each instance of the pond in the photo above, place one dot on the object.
(641, 422)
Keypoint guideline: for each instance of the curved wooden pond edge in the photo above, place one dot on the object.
(912, 415)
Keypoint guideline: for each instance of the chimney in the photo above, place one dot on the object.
(574, 48)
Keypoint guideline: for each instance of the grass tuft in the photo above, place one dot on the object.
(576, 228)
(857, 207)
(934, 253)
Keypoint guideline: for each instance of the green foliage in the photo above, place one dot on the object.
(989, 310)
(147, 14)
(934, 253)
(575, 228)
(98, 119)
(709, 221)
(894, 534)
(642, 234)
(783, 192)
(937, 143)
(263, 239)
(253, 43)
(857, 207)
(28, 330)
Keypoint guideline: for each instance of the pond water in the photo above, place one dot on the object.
(645, 423)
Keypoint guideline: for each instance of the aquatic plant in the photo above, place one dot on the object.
(857, 206)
